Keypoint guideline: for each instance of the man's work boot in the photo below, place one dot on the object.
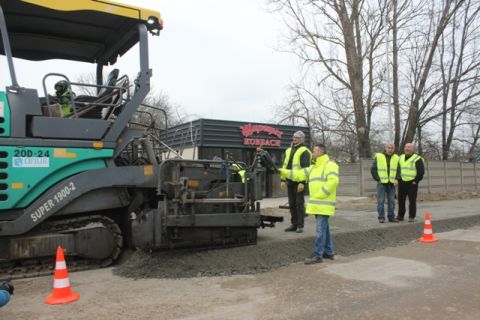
(313, 260)
(291, 228)
(328, 256)
(300, 230)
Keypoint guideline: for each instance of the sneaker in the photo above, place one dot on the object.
(291, 228)
(328, 256)
(381, 220)
(411, 219)
(313, 260)
(393, 220)
(299, 230)
(399, 219)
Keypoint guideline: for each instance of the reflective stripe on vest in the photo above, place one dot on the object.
(382, 167)
(408, 168)
(296, 160)
(318, 188)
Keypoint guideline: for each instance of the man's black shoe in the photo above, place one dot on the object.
(411, 219)
(381, 220)
(299, 230)
(328, 256)
(399, 219)
(313, 260)
(291, 228)
(392, 220)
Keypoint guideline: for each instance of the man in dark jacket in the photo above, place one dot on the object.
(384, 171)
(298, 156)
(410, 172)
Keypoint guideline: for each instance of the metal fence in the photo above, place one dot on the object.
(356, 180)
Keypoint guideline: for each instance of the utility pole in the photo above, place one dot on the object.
(387, 53)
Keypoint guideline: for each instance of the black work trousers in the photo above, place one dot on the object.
(407, 189)
(296, 202)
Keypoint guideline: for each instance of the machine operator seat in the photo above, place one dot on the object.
(86, 105)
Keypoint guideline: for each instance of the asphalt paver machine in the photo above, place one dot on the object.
(91, 181)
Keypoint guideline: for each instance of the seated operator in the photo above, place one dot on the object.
(6, 289)
(63, 97)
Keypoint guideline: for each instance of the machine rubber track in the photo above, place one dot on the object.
(35, 267)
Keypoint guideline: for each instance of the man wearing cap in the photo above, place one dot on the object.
(297, 157)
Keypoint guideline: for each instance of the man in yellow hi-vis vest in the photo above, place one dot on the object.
(384, 171)
(298, 156)
(322, 183)
(410, 172)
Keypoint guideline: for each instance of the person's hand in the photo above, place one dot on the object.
(300, 187)
(283, 186)
(7, 286)
(395, 183)
(414, 182)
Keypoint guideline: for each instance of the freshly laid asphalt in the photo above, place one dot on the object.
(354, 230)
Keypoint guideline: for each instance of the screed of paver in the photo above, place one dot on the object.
(472, 235)
(389, 271)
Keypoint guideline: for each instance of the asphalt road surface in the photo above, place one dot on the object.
(414, 281)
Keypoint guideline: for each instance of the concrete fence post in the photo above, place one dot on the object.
(475, 174)
(428, 176)
(362, 182)
(445, 174)
(461, 176)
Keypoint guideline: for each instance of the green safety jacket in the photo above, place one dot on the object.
(295, 162)
(384, 174)
(65, 103)
(240, 171)
(408, 170)
(322, 180)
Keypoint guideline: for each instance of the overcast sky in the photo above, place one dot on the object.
(214, 58)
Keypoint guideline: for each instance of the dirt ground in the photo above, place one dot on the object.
(416, 281)
(268, 255)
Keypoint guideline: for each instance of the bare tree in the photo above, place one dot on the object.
(422, 59)
(339, 39)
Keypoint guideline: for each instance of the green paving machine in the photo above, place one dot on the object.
(90, 180)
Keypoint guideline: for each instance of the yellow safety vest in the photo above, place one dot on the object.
(408, 168)
(241, 172)
(382, 167)
(296, 161)
(322, 185)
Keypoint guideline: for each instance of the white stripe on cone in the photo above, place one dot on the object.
(427, 231)
(428, 222)
(60, 265)
(61, 283)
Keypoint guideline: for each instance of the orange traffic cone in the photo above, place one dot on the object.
(62, 293)
(427, 231)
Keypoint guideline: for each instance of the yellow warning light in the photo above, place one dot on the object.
(17, 185)
(98, 145)
(148, 170)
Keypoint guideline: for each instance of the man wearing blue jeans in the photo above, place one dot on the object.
(6, 289)
(384, 171)
(322, 179)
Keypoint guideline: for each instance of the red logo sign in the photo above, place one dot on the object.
(250, 129)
